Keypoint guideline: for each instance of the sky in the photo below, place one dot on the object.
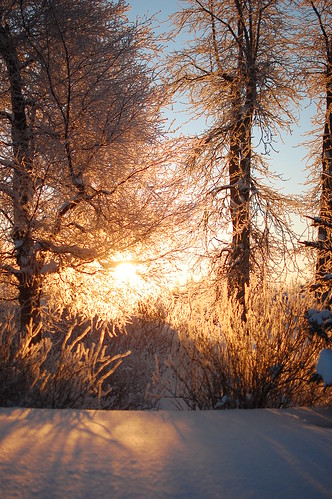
(163, 7)
(289, 161)
(242, 454)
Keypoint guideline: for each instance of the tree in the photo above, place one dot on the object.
(316, 47)
(237, 73)
(78, 118)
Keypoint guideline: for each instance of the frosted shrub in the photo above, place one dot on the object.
(79, 364)
(267, 361)
(150, 339)
(20, 364)
(320, 324)
(70, 367)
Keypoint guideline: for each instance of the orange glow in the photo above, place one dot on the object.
(126, 272)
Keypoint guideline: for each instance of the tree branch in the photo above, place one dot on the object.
(78, 252)
(5, 115)
(7, 190)
(322, 27)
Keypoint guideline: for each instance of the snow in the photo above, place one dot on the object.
(166, 454)
(18, 243)
(324, 366)
(319, 317)
(50, 267)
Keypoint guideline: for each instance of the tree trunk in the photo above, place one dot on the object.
(240, 177)
(324, 256)
(29, 300)
(239, 174)
(29, 277)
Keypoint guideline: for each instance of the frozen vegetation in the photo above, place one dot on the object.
(179, 350)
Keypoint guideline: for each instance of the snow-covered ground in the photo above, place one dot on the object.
(180, 454)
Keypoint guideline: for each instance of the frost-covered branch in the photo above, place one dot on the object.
(6, 189)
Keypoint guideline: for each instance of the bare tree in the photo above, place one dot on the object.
(237, 72)
(78, 122)
(315, 41)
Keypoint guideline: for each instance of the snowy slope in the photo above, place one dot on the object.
(167, 454)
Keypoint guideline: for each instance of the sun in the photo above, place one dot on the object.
(126, 273)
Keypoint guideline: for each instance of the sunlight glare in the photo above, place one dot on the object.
(126, 272)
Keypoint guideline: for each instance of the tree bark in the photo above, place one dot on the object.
(240, 176)
(29, 276)
(324, 257)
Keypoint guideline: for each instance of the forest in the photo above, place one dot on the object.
(143, 267)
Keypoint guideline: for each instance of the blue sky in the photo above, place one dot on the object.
(166, 7)
(289, 161)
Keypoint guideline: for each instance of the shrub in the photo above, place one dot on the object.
(185, 349)
(69, 367)
(150, 339)
(266, 361)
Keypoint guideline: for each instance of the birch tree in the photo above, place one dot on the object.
(237, 73)
(78, 118)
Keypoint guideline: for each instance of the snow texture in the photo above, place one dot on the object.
(319, 317)
(324, 366)
(167, 454)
